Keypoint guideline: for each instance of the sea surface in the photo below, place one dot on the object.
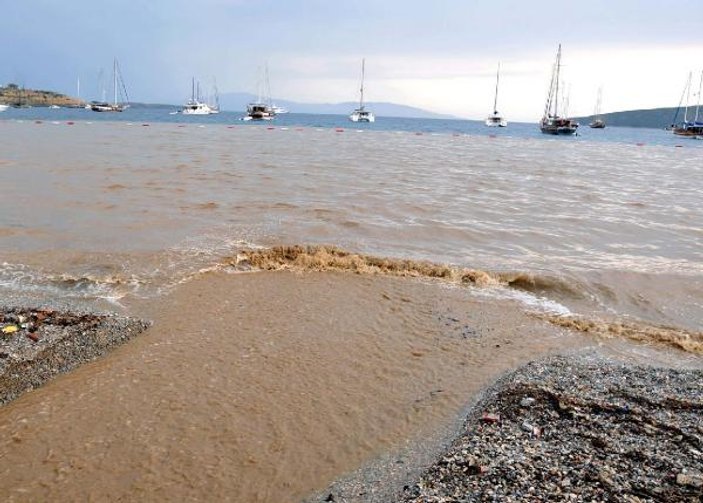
(409, 263)
(609, 221)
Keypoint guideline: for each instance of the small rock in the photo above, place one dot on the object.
(690, 479)
(528, 401)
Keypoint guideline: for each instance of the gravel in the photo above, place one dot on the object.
(566, 428)
(37, 344)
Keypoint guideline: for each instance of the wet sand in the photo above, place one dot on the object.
(264, 387)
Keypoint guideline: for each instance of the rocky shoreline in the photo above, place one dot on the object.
(566, 428)
(38, 344)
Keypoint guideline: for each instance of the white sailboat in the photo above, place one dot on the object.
(361, 114)
(194, 106)
(598, 122)
(3, 107)
(115, 106)
(261, 109)
(551, 122)
(495, 119)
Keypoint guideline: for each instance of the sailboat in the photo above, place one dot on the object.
(690, 129)
(361, 114)
(261, 109)
(597, 122)
(495, 119)
(194, 106)
(551, 122)
(115, 106)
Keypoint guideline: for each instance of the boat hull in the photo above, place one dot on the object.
(597, 124)
(107, 108)
(493, 122)
(558, 131)
(689, 131)
(558, 126)
(363, 116)
(4, 107)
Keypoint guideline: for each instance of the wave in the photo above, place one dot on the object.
(686, 340)
(330, 258)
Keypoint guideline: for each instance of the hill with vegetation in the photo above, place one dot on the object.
(657, 118)
(16, 96)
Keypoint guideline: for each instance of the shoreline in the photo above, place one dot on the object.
(573, 396)
(578, 427)
(38, 344)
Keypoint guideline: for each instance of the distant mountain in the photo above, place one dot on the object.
(657, 118)
(238, 102)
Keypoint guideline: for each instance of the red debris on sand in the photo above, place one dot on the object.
(33, 336)
(339, 130)
(70, 123)
(270, 128)
(489, 417)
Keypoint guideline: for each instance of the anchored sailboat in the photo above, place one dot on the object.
(495, 119)
(598, 122)
(261, 109)
(115, 106)
(551, 122)
(361, 114)
(694, 128)
(195, 106)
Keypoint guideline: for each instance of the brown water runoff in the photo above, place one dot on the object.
(454, 260)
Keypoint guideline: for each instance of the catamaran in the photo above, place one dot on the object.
(115, 106)
(261, 109)
(194, 106)
(694, 128)
(551, 122)
(495, 119)
(361, 114)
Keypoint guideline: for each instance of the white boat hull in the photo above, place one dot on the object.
(362, 117)
(4, 107)
(496, 122)
(198, 108)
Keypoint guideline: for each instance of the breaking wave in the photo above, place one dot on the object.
(329, 258)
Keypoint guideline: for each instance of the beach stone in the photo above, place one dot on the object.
(690, 479)
(527, 401)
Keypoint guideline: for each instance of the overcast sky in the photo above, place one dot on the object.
(439, 55)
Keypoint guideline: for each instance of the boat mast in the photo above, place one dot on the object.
(495, 101)
(268, 84)
(556, 94)
(599, 100)
(698, 105)
(688, 96)
(192, 90)
(361, 94)
(114, 81)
